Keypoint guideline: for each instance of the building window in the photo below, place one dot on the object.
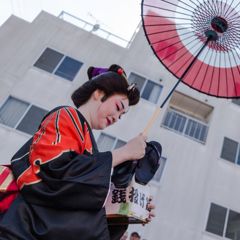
(223, 222)
(21, 115)
(216, 219)
(149, 90)
(58, 64)
(236, 101)
(185, 125)
(230, 151)
(108, 143)
(158, 175)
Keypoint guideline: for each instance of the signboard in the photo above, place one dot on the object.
(128, 205)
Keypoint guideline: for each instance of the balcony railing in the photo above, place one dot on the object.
(94, 29)
(185, 125)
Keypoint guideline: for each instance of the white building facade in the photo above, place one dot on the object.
(196, 188)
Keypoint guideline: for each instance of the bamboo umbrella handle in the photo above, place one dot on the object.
(151, 122)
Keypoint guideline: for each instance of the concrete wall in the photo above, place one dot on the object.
(194, 175)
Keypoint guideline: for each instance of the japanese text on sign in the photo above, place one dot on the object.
(135, 196)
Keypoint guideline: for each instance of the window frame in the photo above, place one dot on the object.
(24, 114)
(144, 85)
(185, 126)
(64, 56)
(238, 148)
(225, 222)
(156, 183)
(110, 135)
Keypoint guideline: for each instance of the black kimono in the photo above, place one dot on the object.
(63, 181)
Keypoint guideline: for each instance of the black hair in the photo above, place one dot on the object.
(111, 83)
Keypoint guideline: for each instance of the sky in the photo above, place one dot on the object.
(120, 17)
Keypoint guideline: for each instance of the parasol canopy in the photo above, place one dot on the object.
(177, 31)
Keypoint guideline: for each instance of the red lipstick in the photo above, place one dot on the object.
(108, 122)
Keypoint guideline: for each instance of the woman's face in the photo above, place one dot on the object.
(110, 111)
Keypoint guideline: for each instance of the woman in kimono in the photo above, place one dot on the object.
(62, 178)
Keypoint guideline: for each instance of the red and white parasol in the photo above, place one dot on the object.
(197, 41)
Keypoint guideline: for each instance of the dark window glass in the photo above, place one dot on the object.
(69, 68)
(229, 150)
(151, 91)
(238, 159)
(119, 144)
(174, 121)
(147, 90)
(12, 111)
(233, 226)
(196, 130)
(203, 133)
(216, 219)
(138, 79)
(236, 101)
(31, 120)
(49, 60)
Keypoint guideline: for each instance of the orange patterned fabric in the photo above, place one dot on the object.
(64, 130)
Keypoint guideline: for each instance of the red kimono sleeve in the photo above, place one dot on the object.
(62, 169)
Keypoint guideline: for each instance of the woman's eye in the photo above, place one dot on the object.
(119, 117)
(117, 107)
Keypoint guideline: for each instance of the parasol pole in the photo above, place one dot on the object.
(211, 37)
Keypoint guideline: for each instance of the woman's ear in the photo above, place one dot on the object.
(98, 95)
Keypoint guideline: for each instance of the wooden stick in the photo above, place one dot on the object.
(151, 122)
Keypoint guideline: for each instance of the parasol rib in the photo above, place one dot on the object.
(167, 24)
(237, 67)
(201, 68)
(206, 70)
(166, 17)
(212, 75)
(187, 4)
(219, 74)
(224, 54)
(175, 44)
(172, 30)
(186, 61)
(193, 3)
(229, 7)
(183, 55)
(177, 50)
(232, 74)
(171, 38)
(232, 10)
(166, 9)
(176, 5)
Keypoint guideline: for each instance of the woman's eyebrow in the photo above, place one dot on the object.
(122, 105)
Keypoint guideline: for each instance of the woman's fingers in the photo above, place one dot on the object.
(144, 137)
(151, 206)
(152, 214)
(135, 148)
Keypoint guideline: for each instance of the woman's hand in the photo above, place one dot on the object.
(133, 150)
(151, 214)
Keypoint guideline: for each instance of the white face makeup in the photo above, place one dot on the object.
(110, 111)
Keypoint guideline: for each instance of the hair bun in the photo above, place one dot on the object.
(94, 71)
(115, 68)
(89, 72)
